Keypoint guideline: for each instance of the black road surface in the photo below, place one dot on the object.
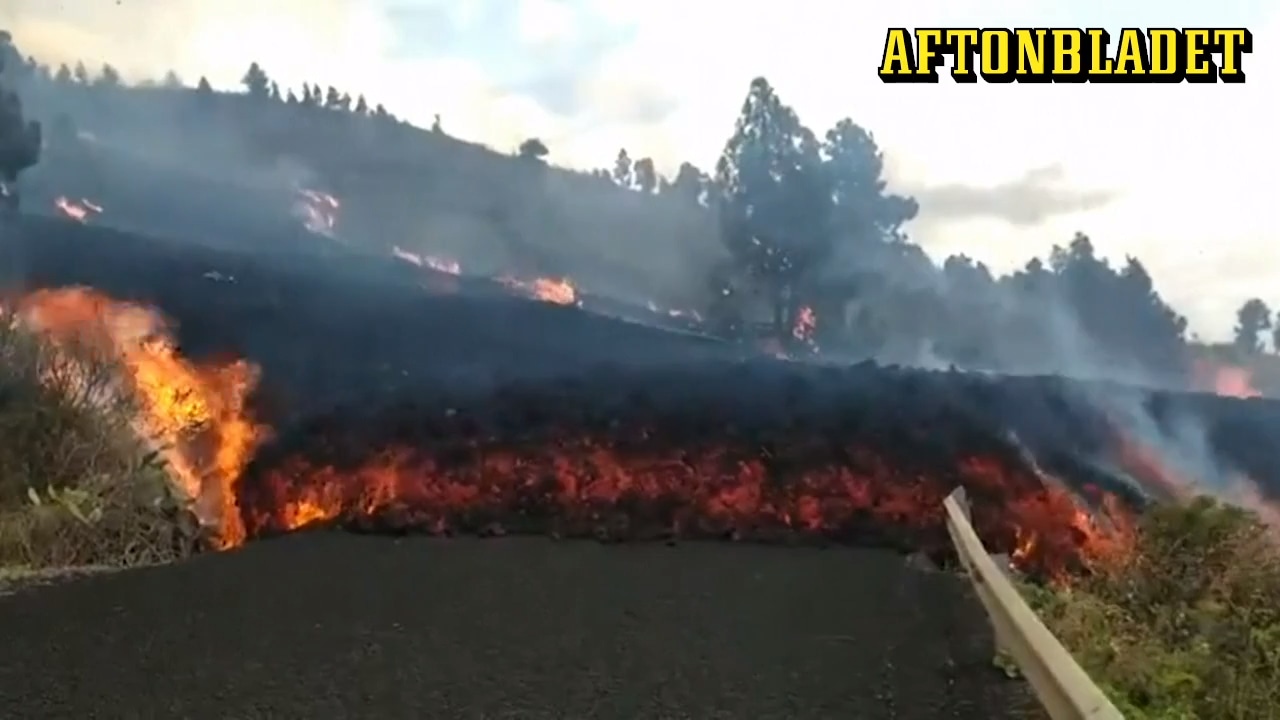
(341, 626)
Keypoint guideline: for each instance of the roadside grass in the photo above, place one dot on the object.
(78, 487)
(1186, 625)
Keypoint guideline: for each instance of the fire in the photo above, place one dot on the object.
(623, 485)
(805, 324)
(449, 267)
(79, 210)
(1224, 379)
(318, 211)
(559, 291)
(196, 414)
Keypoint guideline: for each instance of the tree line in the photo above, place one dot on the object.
(810, 225)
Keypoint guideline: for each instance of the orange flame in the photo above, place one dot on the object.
(79, 210)
(196, 414)
(1224, 379)
(559, 291)
(589, 486)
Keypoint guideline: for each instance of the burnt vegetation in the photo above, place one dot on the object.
(405, 399)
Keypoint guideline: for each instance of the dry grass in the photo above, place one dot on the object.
(1188, 624)
(78, 487)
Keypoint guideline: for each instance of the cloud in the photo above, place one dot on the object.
(1038, 195)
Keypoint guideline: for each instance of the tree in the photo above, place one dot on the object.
(646, 177)
(290, 98)
(1275, 334)
(436, 127)
(1252, 318)
(362, 106)
(774, 201)
(863, 211)
(110, 77)
(533, 149)
(20, 144)
(622, 169)
(80, 74)
(274, 92)
(256, 82)
(171, 80)
(63, 75)
(688, 183)
(332, 100)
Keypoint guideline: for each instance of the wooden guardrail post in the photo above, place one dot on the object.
(1061, 685)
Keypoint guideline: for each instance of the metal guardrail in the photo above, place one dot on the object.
(1063, 688)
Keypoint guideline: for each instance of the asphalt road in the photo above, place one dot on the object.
(340, 626)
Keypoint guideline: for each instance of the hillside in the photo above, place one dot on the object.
(398, 186)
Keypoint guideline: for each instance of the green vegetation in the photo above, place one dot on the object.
(1187, 625)
(77, 485)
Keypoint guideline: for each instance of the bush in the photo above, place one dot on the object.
(77, 484)
(1187, 624)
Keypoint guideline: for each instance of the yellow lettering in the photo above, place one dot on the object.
(995, 52)
(898, 56)
(1067, 45)
(1166, 51)
(1099, 63)
(1031, 54)
(1132, 56)
(1198, 62)
(1235, 42)
(927, 60)
(962, 42)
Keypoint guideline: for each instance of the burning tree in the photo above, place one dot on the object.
(20, 142)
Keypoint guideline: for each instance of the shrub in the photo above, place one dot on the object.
(77, 484)
(1187, 625)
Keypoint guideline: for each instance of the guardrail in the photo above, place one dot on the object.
(1063, 688)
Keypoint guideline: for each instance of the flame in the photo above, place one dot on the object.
(449, 267)
(1224, 379)
(583, 484)
(79, 210)
(805, 324)
(318, 211)
(559, 291)
(196, 414)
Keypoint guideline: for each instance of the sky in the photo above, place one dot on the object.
(1179, 175)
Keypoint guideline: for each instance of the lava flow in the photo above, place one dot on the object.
(551, 469)
(195, 414)
(619, 483)
(1223, 379)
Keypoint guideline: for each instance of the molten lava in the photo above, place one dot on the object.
(622, 485)
(196, 414)
(79, 210)
(318, 211)
(635, 477)
(1224, 379)
(559, 291)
